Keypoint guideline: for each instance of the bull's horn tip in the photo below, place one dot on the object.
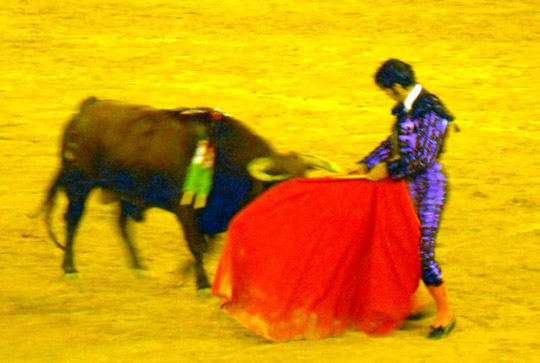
(334, 167)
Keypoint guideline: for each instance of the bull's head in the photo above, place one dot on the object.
(243, 147)
(286, 166)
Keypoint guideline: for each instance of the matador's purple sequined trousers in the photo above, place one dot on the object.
(428, 193)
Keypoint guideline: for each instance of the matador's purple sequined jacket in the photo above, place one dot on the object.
(412, 153)
(417, 138)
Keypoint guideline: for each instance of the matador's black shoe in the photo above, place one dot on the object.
(442, 331)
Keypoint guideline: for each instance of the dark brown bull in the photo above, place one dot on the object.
(141, 155)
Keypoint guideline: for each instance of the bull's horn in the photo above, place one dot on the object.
(318, 162)
(258, 167)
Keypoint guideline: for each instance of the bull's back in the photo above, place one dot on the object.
(128, 137)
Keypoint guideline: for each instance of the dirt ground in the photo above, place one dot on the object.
(300, 73)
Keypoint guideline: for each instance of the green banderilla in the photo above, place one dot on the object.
(197, 185)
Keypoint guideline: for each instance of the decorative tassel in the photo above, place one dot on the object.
(199, 175)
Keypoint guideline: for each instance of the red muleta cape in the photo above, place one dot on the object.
(311, 258)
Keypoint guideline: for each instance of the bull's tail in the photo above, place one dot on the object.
(48, 206)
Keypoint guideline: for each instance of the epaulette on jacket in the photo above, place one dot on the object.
(428, 102)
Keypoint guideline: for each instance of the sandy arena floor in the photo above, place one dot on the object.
(300, 73)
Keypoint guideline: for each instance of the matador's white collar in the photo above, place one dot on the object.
(412, 96)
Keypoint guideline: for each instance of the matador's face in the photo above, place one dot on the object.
(397, 92)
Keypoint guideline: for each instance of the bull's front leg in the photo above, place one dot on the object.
(196, 242)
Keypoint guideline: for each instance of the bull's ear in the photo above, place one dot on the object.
(316, 162)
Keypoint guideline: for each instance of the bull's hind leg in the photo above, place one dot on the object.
(127, 211)
(77, 194)
(196, 243)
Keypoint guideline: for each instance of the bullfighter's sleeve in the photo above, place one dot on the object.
(379, 155)
(429, 140)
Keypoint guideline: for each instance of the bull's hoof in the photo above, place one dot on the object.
(203, 284)
(71, 276)
(204, 291)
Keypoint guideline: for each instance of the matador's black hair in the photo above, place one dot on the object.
(394, 71)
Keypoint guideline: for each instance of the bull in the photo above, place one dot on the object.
(141, 155)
